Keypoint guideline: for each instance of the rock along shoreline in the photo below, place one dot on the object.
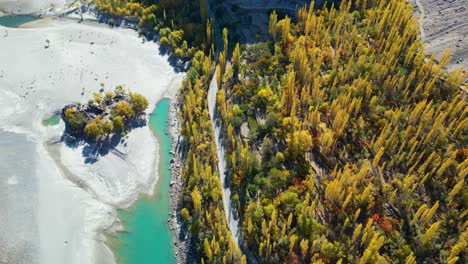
(180, 233)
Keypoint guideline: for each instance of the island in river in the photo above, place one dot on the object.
(114, 113)
(47, 184)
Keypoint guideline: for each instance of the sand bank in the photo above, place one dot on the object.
(18, 7)
(67, 201)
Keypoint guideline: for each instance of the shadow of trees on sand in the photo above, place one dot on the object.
(93, 149)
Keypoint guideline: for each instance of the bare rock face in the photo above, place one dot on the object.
(248, 20)
(444, 24)
(269, 4)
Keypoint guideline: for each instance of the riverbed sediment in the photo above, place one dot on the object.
(180, 234)
(67, 62)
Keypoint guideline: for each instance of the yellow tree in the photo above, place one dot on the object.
(236, 60)
(273, 22)
(196, 199)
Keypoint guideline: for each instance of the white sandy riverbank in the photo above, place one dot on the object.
(35, 6)
(58, 203)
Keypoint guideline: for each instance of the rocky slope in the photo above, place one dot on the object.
(247, 20)
(443, 25)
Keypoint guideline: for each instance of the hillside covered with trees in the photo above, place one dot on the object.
(346, 142)
(181, 24)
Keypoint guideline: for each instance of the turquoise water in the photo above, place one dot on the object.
(52, 121)
(15, 21)
(148, 238)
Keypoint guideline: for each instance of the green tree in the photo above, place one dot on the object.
(97, 98)
(272, 26)
(196, 199)
(107, 127)
(123, 109)
(236, 60)
(225, 39)
(139, 103)
(118, 123)
(267, 149)
(119, 90)
(76, 120)
(108, 96)
(94, 129)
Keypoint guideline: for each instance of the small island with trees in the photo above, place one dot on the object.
(112, 112)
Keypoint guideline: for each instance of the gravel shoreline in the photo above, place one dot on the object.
(180, 234)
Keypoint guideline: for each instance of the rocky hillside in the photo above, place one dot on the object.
(247, 21)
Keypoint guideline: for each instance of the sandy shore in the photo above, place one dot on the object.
(34, 6)
(58, 203)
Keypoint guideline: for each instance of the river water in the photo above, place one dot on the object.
(147, 238)
(51, 121)
(15, 21)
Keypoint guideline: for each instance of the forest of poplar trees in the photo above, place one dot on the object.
(346, 142)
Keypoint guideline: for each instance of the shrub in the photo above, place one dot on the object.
(94, 128)
(118, 123)
(76, 119)
(123, 109)
(139, 103)
(107, 126)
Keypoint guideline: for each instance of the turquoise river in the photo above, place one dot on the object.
(15, 21)
(52, 121)
(147, 238)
